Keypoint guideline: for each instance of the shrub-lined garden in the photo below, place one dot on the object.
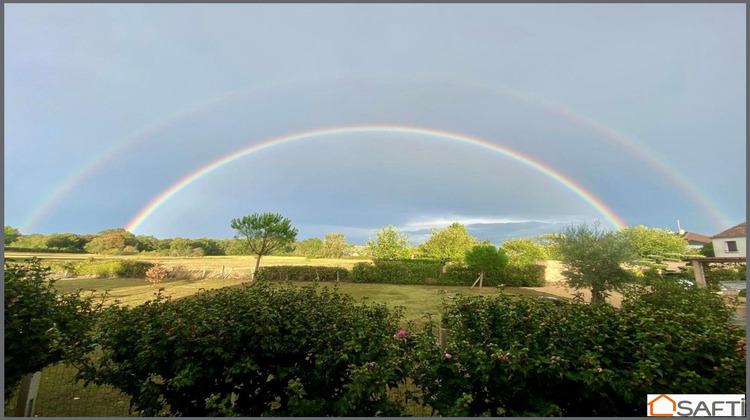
(281, 350)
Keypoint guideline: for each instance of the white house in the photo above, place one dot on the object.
(731, 242)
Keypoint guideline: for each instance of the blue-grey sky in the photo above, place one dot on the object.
(640, 105)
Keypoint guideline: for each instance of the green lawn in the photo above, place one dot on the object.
(418, 300)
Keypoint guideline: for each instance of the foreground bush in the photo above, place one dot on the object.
(41, 327)
(252, 351)
(302, 273)
(517, 356)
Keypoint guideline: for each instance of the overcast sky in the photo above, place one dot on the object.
(108, 106)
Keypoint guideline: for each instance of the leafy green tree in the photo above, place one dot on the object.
(66, 241)
(145, 243)
(42, 327)
(34, 240)
(449, 244)
(182, 247)
(708, 250)
(593, 259)
(486, 259)
(264, 233)
(334, 245)
(112, 243)
(649, 242)
(209, 246)
(310, 247)
(549, 242)
(11, 234)
(390, 244)
(524, 251)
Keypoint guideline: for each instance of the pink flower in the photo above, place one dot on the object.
(401, 333)
(448, 356)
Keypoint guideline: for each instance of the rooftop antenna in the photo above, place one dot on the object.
(679, 228)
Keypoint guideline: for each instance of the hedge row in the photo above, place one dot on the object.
(43, 250)
(405, 272)
(270, 350)
(302, 273)
(506, 356)
(101, 268)
(276, 350)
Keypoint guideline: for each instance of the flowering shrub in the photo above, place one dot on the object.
(267, 350)
(514, 356)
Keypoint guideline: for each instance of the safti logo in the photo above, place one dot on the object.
(696, 405)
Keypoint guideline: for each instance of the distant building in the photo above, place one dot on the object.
(696, 240)
(731, 242)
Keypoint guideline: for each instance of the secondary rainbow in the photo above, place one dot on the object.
(80, 174)
(170, 192)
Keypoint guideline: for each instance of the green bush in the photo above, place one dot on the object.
(302, 273)
(102, 268)
(397, 272)
(393, 272)
(513, 356)
(743, 293)
(523, 275)
(41, 326)
(363, 272)
(43, 250)
(268, 350)
(428, 272)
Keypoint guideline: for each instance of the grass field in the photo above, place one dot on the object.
(237, 262)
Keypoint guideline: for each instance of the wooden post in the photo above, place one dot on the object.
(479, 280)
(203, 276)
(442, 337)
(700, 274)
(222, 271)
(27, 395)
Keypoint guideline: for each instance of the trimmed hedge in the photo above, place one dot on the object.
(302, 273)
(524, 276)
(102, 268)
(513, 276)
(397, 272)
(406, 272)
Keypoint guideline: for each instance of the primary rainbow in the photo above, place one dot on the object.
(67, 184)
(152, 206)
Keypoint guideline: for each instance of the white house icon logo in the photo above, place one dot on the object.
(662, 406)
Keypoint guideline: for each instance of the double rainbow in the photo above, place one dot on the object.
(175, 188)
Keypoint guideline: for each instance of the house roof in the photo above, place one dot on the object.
(696, 237)
(732, 232)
